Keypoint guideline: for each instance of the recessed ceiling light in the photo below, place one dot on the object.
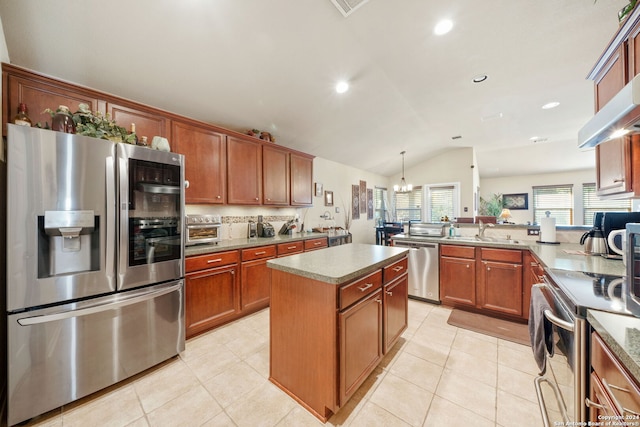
(536, 139)
(550, 105)
(480, 78)
(492, 117)
(443, 27)
(342, 87)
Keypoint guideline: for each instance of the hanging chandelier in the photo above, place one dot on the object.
(403, 187)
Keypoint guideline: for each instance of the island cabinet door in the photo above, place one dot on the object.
(360, 343)
(395, 303)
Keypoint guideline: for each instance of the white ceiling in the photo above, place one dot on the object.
(273, 64)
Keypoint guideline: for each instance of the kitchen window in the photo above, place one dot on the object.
(441, 200)
(592, 204)
(380, 205)
(409, 205)
(557, 199)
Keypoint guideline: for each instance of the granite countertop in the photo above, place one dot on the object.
(338, 264)
(622, 335)
(245, 242)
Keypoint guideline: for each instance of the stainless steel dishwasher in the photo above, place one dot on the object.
(424, 261)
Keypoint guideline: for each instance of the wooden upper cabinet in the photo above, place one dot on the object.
(611, 78)
(633, 51)
(244, 171)
(275, 175)
(301, 180)
(205, 162)
(613, 167)
(147, 123)
(40, 94)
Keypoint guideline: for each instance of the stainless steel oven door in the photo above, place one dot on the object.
(562, 387)
(151, 191)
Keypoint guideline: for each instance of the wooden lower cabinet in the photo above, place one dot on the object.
(613, 391)
(458, 275)
(255, 284)
(483, 279)
(360, 343)
(212, 297)
(326, 339)
(395, 303)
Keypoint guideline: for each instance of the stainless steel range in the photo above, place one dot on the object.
(562, 304)
(95, 262)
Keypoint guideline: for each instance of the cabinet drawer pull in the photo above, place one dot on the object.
(618, 180)
(291, 247)
(608, 388)
(389, 293)
(591, 404)
(365, 287)
(260, 253)
(398, 268)
(317, 243)
(211, 261)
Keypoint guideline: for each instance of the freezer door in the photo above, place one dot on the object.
(61, 224)
(59, 354)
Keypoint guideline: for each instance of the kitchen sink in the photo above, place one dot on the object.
(477, 238)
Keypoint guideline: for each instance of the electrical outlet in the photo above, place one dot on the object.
(533, 232)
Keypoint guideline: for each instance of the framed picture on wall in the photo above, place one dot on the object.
(355, 201)
(363, 196)
(328, 198)
(515, 201)
(318, 189)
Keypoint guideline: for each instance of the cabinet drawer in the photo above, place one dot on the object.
(218, 259)
(458, 251)
(504, 255)
(354, 291)
(394, 270)
(258, 253)
(613, 376)
(290, 248)
(312, 244)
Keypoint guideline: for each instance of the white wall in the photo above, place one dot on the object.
(452, 166)
(523, 184)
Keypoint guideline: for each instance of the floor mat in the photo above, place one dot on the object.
(499, 328)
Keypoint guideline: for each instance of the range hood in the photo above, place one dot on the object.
(621, 115)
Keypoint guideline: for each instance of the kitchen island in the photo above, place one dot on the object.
(334, 314)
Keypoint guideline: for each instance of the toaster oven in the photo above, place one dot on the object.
(202, 229)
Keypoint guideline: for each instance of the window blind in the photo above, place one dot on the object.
(558, 199)
(592, 203)
(409, 205)
(441, 200)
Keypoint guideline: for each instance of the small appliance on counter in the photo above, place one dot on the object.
(593, 240)
(252, 230)
(266, 230)
(287, 227)
(427, 229)
(202, 229)
(616, 221)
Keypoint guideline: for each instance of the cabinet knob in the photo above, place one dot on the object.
(186, 183)
(467, 265)
(257, 199)
(218, 197)
(488, 268)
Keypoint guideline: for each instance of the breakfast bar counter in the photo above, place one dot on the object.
(334, 314)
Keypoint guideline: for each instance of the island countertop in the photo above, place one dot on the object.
(338, 264)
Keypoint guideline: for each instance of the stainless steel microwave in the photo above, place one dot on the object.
(632, 259)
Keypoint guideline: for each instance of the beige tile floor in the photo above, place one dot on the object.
(437, 375)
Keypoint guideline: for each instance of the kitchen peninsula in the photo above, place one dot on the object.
(334, 314)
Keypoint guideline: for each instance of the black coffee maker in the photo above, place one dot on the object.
(616, 221)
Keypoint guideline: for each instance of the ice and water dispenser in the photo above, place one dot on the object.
(68, 242)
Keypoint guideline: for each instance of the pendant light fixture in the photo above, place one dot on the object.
(403, 187)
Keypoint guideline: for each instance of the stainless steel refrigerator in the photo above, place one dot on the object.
(95, 265)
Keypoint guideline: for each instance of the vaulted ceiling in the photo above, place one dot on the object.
(273, 65)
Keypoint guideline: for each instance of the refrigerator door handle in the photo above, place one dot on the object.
(110, 217)
(35, 320)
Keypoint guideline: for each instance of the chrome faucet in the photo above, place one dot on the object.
(482, 226)
(326, 215)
